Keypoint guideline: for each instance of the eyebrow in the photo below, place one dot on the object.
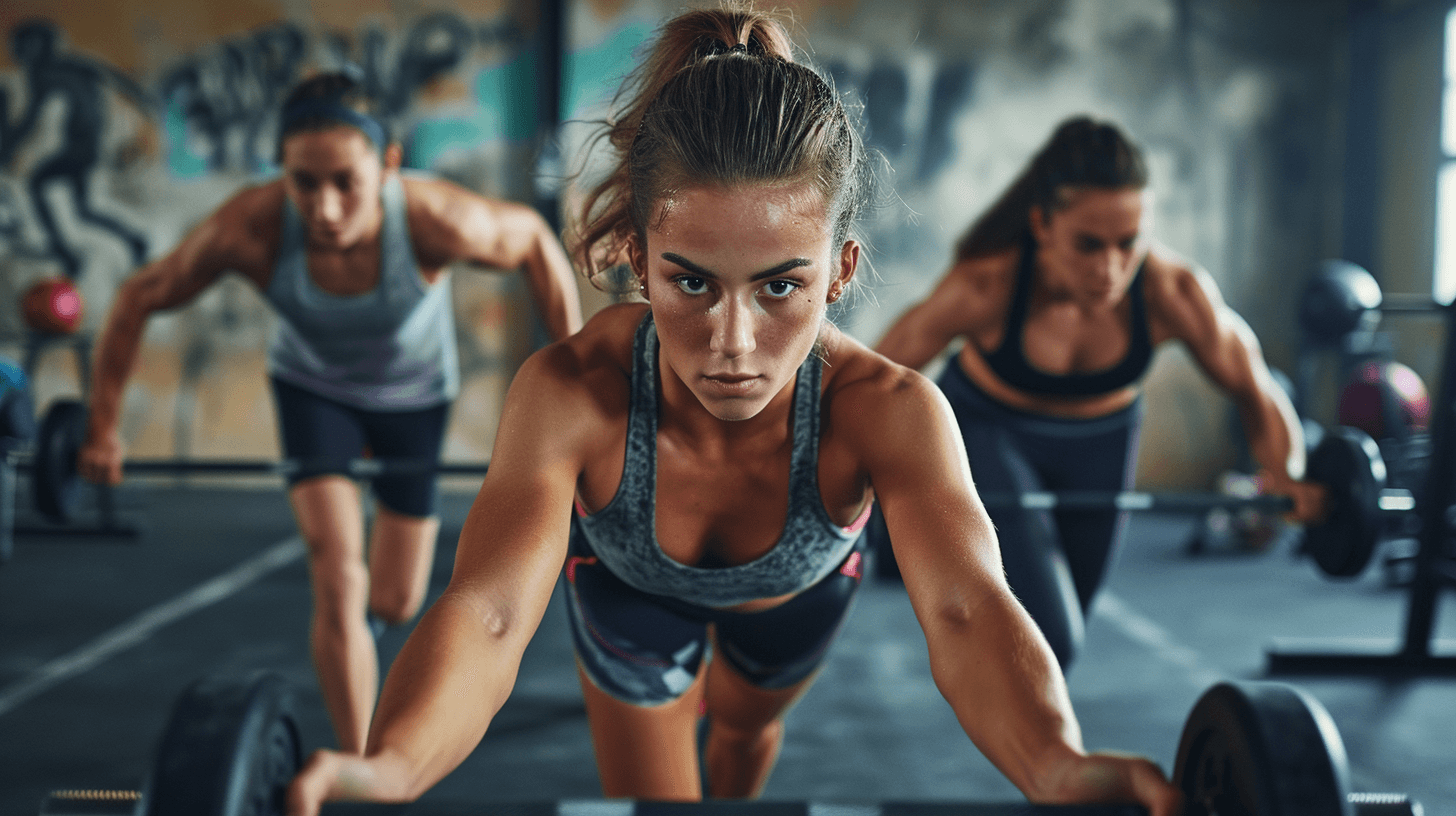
(793, 263)
(1087, 236)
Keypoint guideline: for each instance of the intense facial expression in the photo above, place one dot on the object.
(739, 280)
(1092, 247)
(333, 177)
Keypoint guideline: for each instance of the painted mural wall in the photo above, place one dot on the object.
(127, 120)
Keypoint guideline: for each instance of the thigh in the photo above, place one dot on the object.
(1032, 552)
(630, 644)
(779, 647)
(641, 667)
(1104, 462)
(320, 435)
(412, 435)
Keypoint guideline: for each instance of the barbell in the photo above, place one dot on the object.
(57, 486)
(1347, 462)
(232, 745)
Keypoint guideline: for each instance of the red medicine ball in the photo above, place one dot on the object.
(1381, 399)
(52, 306)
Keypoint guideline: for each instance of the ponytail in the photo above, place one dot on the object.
(720, 100)
(1082, 152)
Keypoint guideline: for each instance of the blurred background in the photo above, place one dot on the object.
(1279, 133)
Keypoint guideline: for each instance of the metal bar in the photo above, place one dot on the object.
(620, 807)
(358, 468)
(1358, 656)
(1409, 304)
(1133, 501)
(1437, 491)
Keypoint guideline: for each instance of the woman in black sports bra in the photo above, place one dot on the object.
(1061, 299)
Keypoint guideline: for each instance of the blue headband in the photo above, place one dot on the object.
(332, 110)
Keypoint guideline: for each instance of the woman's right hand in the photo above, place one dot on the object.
(331, 775)
(100, 458)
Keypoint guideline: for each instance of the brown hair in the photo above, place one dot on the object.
(720, 100)
(329, 100)
(1082, 152)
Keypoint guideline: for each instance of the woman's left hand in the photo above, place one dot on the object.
(1107, 777)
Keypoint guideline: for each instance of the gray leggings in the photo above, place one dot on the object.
(1055, 560)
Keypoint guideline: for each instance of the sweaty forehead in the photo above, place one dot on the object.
(1105, 212)
(741, 210)
(328, 150)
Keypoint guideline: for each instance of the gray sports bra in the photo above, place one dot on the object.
(624, 536)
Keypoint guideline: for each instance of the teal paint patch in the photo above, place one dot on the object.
(505, 109)
(181, 161)
(593, 74)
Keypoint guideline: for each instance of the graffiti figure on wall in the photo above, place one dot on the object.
(230, 92)
(78, 83)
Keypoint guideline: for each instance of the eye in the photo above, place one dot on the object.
(779, 289)
(1088, 245)
(691, 285)
(1128, 244)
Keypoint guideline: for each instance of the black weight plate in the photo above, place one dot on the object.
(1261, 749)
(55, 483)
(17, 415)
(230, 749)
(1348, 463)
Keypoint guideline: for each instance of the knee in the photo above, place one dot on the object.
(737, 732)
(740, 729)
(395, 605)
(339, 585)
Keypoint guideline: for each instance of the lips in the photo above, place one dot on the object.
(731, 384)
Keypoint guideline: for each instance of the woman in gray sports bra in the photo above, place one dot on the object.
(721, 444)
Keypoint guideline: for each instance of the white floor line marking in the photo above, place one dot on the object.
(143, 626)
(1155, 637)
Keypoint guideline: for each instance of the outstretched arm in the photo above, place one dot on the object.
(460, 663)
(166, 283)
(923, 330)
(503, 235)
(1229, 353)
(987, 656)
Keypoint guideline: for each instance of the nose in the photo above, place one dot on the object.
(1109, 263)
(733, 326)
(328, 206)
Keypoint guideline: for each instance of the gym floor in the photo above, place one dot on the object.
(97, 638)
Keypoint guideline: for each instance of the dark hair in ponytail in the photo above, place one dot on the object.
(720, 101)
(1082, 152)
(326, 101)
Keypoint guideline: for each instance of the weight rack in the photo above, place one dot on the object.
(1419, 653)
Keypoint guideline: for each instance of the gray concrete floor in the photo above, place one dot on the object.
(872, 728)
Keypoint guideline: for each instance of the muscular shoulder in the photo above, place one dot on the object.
(884, 408)
(980, 287)
(580, 385)
(450, 223)
(243, 233)
(1182, 297)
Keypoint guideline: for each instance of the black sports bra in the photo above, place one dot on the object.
(1009, 360)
